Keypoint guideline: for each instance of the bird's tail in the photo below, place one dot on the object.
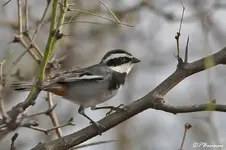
(22, 86)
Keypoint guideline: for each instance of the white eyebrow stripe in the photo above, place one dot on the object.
(113, 56)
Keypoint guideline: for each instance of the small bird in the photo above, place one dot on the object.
(92, 85)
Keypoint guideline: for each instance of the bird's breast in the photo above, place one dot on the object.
(116, 81)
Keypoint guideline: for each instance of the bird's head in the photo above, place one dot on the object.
(119, 60)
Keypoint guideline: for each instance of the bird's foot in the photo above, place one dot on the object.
(120, 108)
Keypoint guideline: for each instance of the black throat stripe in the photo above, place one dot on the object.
(116, 81)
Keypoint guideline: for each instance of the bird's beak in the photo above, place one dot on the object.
(135, 60)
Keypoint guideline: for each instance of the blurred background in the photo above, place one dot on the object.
(152, 39)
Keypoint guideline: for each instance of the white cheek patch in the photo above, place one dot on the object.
(129, 69)
(125, 68)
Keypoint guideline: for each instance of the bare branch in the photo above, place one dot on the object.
(146, 102)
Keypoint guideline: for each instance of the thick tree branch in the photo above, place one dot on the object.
(148, 101)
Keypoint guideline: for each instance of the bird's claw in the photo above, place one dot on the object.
(120, 108)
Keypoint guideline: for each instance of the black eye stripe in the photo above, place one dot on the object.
(118, 61)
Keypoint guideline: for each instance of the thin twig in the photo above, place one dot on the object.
(177, 37)
(32, 39)
(20, 38)
(61, 126)
(33, 44)
(187, 126)
(46, 131)
(1, 68)
(39, 27)
(53, 115)
(111, 12)
(2, 83)
(98, 23)
(63, 10)
(182, 17)
(46, 112)
(25, 45)
(20, 23)
(102, 17)
(72, 17)
(29, 49)
(26, 16)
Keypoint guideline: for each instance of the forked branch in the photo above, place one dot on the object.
(146, 102)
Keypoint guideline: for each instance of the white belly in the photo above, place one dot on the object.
(91, 99)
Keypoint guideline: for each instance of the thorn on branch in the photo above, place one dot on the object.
(13, 139)
(6, 3)
(16, 39)
(48, 1)
(31, 46)
(186, 51)
(57, 34)
(25, 33)
(71, 119)
(214, 101)
(49, 111)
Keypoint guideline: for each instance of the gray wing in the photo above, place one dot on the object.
(89, 73)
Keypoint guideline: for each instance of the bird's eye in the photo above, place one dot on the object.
(125, 59)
